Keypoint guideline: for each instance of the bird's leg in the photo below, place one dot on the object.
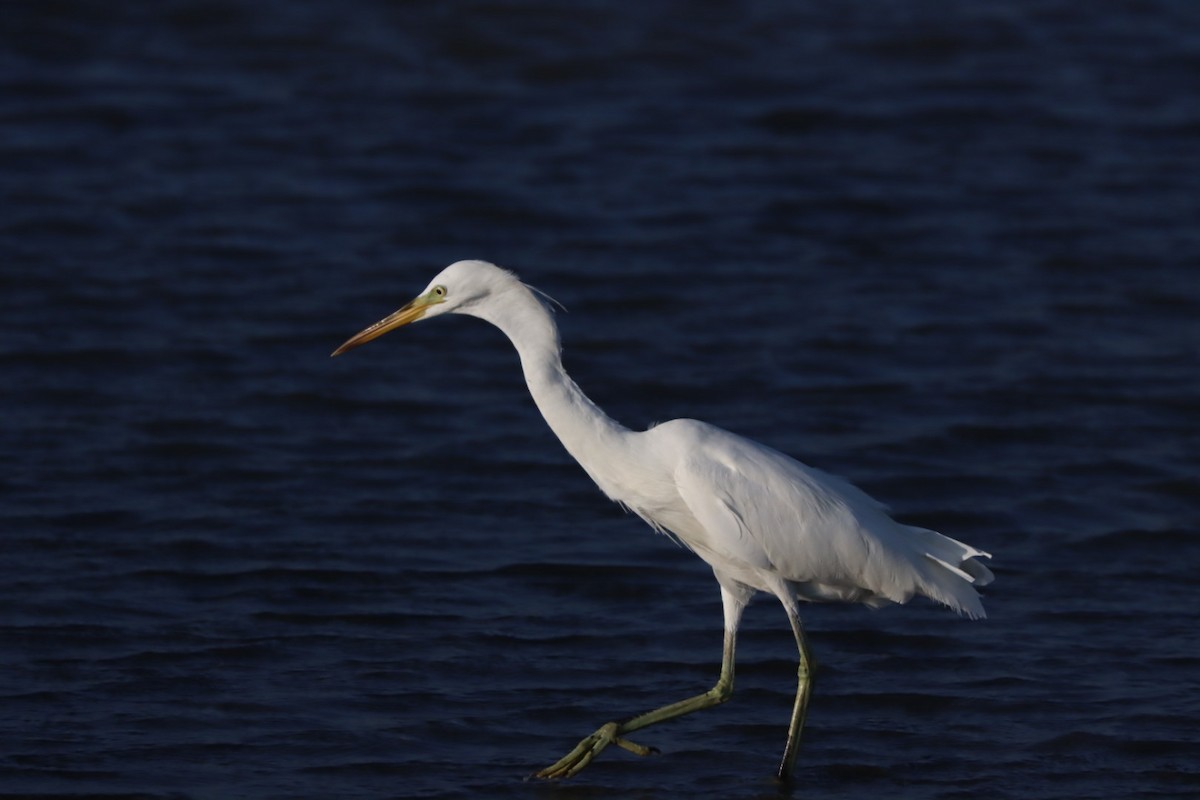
(733, 602)
(613, 732)
(805, 674)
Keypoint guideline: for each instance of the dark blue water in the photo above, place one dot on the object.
(947, 250)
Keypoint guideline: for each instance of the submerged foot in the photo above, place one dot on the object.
(587, 749)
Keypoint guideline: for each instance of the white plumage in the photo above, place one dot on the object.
(762, 520)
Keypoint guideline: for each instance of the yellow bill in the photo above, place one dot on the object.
(411, 312)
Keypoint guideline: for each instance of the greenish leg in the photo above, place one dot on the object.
(613, 732)
(803, 690)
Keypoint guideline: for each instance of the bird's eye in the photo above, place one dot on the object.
(439, 291)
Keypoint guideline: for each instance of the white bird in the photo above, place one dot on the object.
(763, 521)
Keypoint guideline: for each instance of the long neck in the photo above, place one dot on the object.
(593, 438)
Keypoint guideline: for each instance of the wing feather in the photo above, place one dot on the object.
(772, 517)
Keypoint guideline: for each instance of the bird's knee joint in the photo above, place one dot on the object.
(721, 692)
(807, 668)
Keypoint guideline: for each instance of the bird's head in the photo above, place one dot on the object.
(461, 288)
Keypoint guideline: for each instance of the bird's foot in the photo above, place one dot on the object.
(589, 748)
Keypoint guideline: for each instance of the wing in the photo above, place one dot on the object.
(766, 516)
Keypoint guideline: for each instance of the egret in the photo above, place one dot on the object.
(763, 521)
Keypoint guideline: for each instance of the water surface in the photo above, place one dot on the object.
(947, 251)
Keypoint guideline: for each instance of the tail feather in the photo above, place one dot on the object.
(980, 574)
(953, 572)
(966, 576)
